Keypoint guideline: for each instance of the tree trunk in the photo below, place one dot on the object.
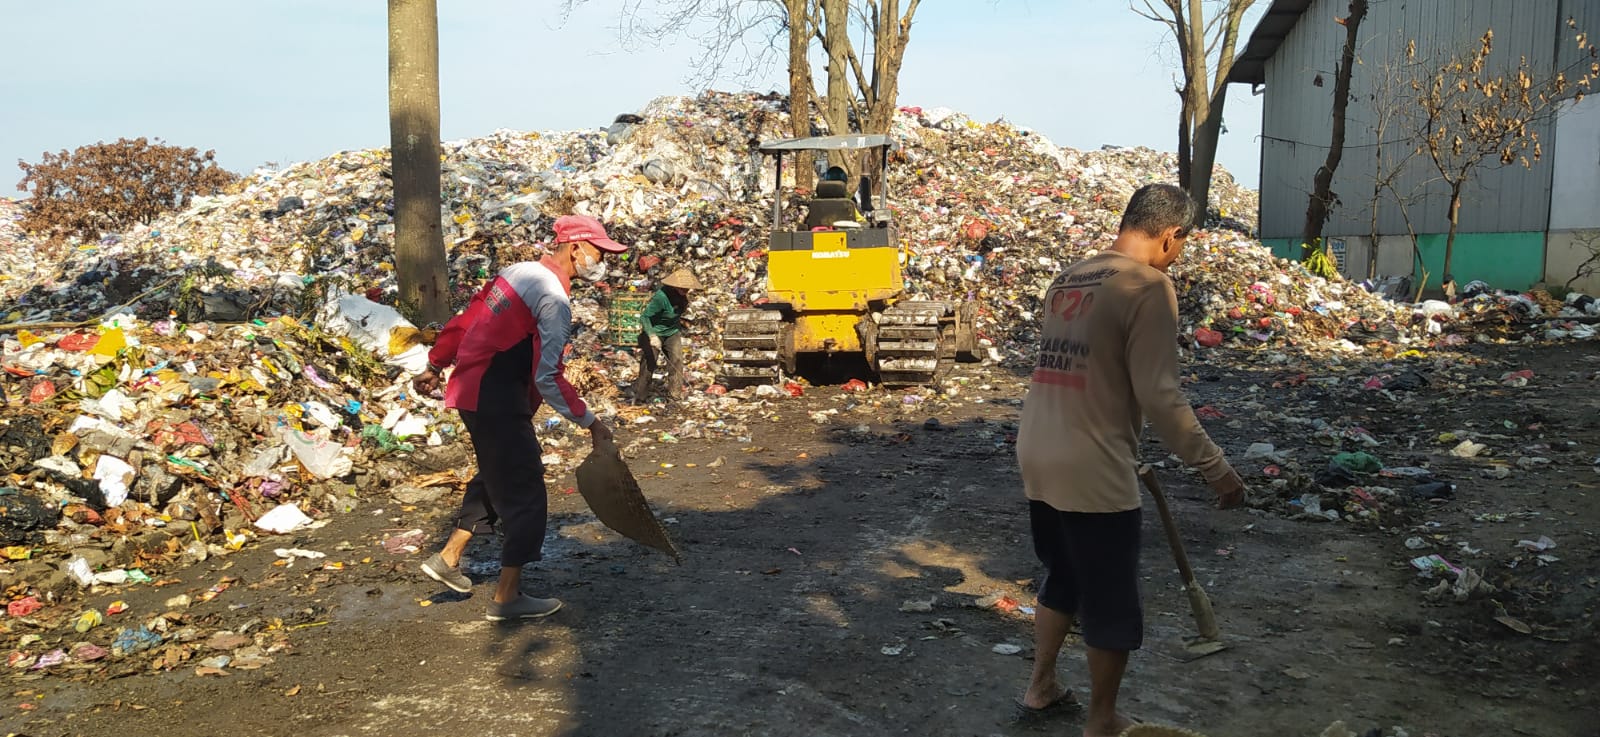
(1204, 155)
(1198, 81)
(1185, 160)
(1180, 33)
(1445, 275)
(836, 44)
(800, 87)
(889, 51)
(1321, 201)
(1377, 194)
(414, 153)
(1372, 244)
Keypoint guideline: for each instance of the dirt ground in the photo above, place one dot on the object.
(808, 548)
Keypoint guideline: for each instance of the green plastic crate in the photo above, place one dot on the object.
(622, 317)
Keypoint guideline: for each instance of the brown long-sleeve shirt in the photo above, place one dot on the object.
(1108, 359)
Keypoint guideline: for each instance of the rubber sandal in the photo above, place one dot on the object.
(1065, 704)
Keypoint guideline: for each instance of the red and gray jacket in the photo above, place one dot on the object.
(507, 346)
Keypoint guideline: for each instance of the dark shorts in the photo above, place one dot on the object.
(1092, 563)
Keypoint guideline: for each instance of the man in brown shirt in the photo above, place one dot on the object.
(1108, 360)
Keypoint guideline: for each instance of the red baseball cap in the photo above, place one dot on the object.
(571, 228)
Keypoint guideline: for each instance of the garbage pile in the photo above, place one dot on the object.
(19, 257)
(989, 212)
(148, 425)
(1504, 313)
(11, 212)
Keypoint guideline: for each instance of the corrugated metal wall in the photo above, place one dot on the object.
(1297, 122)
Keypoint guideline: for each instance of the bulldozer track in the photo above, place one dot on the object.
(754, 346)
(916, 342)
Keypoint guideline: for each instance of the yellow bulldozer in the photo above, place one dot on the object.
(835, 285)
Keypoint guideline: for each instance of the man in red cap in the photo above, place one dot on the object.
(507, 348)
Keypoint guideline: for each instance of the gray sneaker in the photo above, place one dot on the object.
(444, 573)
(523, 607)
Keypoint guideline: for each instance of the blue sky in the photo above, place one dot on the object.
(292, 80)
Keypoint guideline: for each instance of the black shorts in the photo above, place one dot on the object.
(509, 487)
(1092, 563)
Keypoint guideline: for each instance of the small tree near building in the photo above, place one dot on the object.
(109, 187)
(1207, 41)
(1390, 104)
(1473, 112)
(1323, 199)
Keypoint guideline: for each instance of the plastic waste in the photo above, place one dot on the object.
(1517, 378)
(1358, 462)
(378, 328)
(1207, 338)
(1468, 449)
(323, 458)
(115, 477)
(23, 607)
(78, 569)
(134, 640)
(1264, 452)
(87, 621)
(283, 519)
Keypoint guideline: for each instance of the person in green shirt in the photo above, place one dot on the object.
(661, 329)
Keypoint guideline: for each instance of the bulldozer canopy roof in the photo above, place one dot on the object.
(828, 143)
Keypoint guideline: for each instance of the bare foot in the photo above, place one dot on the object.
(1116, 726)
(1041, 695)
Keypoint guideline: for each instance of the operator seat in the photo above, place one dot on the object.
(831, 205)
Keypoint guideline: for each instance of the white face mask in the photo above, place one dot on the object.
(594, 271)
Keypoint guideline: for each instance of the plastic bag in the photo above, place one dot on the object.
(377, 328)
(283, 519)
(324, 458)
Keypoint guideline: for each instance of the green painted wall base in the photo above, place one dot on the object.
(1503, 260)
(1283, 247)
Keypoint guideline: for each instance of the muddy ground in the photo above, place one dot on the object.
(804, 545)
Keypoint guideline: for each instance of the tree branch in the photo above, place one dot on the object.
(862, 85)
(1230, 40)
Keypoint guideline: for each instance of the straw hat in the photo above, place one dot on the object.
(682, 279)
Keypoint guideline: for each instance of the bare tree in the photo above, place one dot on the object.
(1473, 112)
(414, 152)
(857, 98)
(1322, 198)
(890, 33)
(739, 40)
(862, 101)
(1390, 104)
(1200, 37)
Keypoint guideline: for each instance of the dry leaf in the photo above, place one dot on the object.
(1514, 623)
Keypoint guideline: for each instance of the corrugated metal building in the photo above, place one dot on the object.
(1519, 226)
